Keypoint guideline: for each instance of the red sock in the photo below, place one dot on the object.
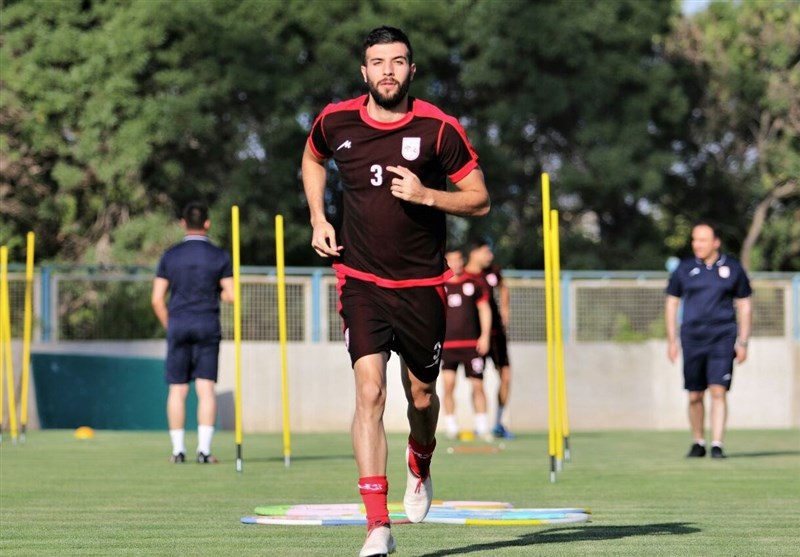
(419, 457)
(374, 490)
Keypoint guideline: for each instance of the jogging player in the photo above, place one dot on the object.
(394, 154)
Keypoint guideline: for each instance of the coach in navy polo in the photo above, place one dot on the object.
(714, 288)
(197, 275)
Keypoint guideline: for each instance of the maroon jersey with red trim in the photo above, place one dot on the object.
(384, 238)
(464, 293)
(493, 279)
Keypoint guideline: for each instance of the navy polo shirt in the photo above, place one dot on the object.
(708, 293)
(194, 269)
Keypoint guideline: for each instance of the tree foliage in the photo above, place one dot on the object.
(113, 114)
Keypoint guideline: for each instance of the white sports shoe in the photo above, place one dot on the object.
(379, 542)
(419, 495)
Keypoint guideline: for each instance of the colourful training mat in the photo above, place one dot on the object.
(488, 513)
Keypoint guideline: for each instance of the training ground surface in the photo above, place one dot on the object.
(117, 495)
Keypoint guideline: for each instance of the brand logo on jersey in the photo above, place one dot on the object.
(695, 271)
(411, 148)
(469, 289)
(491, 279)
(724, 272)
(346, 145)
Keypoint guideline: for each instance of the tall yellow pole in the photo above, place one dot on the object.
(5, 338)
(237, 333)
(26, 335)
(561, 387)
(548, 285)
(287, 443)
(3, 251)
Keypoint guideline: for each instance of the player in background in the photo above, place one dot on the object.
(197, 275)
(480, 263)
(395, 155)
(469, 328)
(714, 288)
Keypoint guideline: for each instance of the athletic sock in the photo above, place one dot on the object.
(481, 424)
(374, 490)
(451, 425)
(205, 433)
(716, 444)
(499, 416)
(177, 436)
(701, 442)
(419, 457)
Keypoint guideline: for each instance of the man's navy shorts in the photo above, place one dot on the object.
(409, 321)
(708, 364)
(192, 349)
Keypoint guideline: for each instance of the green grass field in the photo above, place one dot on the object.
(117, 495)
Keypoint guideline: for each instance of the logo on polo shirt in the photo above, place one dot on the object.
(411, 148)
(695, 271)
(724, 272)
(469, 289)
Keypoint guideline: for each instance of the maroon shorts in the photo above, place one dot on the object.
(409, 321)
(473, 363)
(498, 350)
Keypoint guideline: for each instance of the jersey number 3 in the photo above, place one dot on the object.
(377, 174)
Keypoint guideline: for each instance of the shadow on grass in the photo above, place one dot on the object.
(763, 453)
(575, 534)
(304, 458)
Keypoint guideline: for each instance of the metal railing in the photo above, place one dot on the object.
(88, 303)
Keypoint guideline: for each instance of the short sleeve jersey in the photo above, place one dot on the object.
(708, 293)
(464, 293)
(386, 240)
(494, 278)
(194, 269)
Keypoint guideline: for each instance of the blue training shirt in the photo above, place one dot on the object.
(194, 268)
(708, 293)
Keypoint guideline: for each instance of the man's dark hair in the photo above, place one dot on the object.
(195, 214)
(477, 243)
(714, 228)
(386, 35)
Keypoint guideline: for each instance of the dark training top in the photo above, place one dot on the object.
(708, 293)
(464, 293)
(493, 279)
(194, 268)
(386, 240)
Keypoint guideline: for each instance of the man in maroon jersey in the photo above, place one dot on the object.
(466, 342)
(394, 154)
(480, 264)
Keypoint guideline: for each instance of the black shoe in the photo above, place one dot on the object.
(716, 452)
(206, 458)
(698, 450)
(177, 458)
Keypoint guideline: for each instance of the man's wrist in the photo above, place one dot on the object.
(742, 343)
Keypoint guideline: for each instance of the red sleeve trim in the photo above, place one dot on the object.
(461, 174)
(343, 270)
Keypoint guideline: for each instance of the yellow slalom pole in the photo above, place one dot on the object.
(237, 333)
(557, 336)
(561, 386)
(548, 286)
(5, 338)
(3, 279)
(26, 335)
(287, 442)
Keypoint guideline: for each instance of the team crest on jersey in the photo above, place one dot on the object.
(411, 148)
(454, 300)
(469, 289)
(491, 279)
(724, 272)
